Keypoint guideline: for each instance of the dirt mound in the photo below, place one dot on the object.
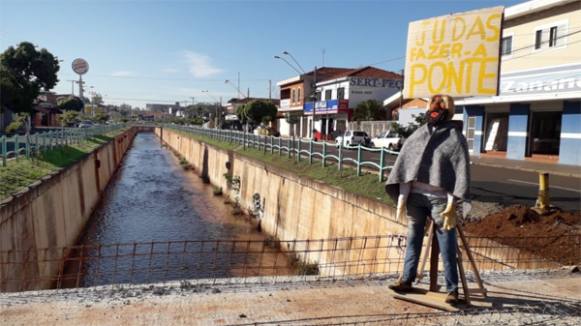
(554, 236)
(520, 221)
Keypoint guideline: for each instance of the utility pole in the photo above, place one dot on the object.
(400, 95)
(238, 83)
(81, 86)
(72, 86)
(248, 92)
(193, 100)
(270, 90)
(314, 101)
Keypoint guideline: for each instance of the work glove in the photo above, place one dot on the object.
(449, 217)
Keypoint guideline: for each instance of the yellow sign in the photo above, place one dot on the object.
(457, 54)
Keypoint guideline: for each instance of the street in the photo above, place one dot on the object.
(506, 186)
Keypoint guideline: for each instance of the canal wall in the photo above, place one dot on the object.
(38, 222)
(300, 208)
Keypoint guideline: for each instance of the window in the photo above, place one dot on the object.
(293, 95)
(328, 94)
(506, 45)
(341, 93)
(553, 36)
(299, 95)
(538, 39)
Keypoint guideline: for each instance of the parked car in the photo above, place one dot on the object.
(85, 124)
(353, 138)
(387, 139)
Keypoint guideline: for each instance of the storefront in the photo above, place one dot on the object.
(537, 116)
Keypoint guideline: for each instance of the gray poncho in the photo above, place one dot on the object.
(437, 156)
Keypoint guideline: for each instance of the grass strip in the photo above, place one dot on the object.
(367, 184)
(22, 172)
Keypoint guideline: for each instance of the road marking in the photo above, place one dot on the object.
(555, 187)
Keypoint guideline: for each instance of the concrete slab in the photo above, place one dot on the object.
(554, 296)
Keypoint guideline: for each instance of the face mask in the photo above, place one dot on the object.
(437, 116)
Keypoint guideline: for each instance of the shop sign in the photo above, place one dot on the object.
(375, 82)
(455, 54)
(557, 80)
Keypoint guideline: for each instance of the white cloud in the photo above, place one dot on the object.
(122, 73)
(199, 65)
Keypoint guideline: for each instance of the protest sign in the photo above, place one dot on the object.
(457, 54)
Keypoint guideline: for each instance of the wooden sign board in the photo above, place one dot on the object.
(457, 55)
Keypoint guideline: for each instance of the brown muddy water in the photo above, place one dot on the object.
(158, 222)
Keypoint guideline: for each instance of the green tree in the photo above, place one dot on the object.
(406, 131)
(260, 111)
(70, 103)
(18, 124)
(24, 71)
(101, 117)
(241, 112)
(369, 110)
(69, 118)
(97, 100)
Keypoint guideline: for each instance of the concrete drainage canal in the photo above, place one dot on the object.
(160, 222)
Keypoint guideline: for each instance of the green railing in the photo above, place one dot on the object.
(373, 158)
(35, 143)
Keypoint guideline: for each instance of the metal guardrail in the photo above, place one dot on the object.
(33, 144)
(300, 148)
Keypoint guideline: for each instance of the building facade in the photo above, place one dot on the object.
(537, 113)
(338, 92)
(295, 92)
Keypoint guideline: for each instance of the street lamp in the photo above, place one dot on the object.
(235, 87)
(288, 63)
(295, 60)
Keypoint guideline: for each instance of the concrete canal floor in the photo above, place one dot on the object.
(517, 298)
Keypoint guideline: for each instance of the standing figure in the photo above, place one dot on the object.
(430, 175)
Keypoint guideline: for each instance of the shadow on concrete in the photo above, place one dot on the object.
(524, 309)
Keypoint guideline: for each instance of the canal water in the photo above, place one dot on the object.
(159, 222)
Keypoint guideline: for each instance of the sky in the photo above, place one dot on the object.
(182, 51)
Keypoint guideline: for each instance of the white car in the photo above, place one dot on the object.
(353, 138)
(387, 139)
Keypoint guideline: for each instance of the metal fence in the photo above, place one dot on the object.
(143, 262)
(26, 145)
(359, 156)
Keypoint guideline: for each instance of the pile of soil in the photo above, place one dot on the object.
(554, 236)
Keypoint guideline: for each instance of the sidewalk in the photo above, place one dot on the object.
(529, 166)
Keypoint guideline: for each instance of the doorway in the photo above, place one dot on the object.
(496, 137)
(545, 134)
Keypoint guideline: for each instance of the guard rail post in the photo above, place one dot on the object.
(381, 159)
(4, 150)
(340, 163)
(324, 153)
(359, 160)
(16, 146)
(311, 151)
(299, 150)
